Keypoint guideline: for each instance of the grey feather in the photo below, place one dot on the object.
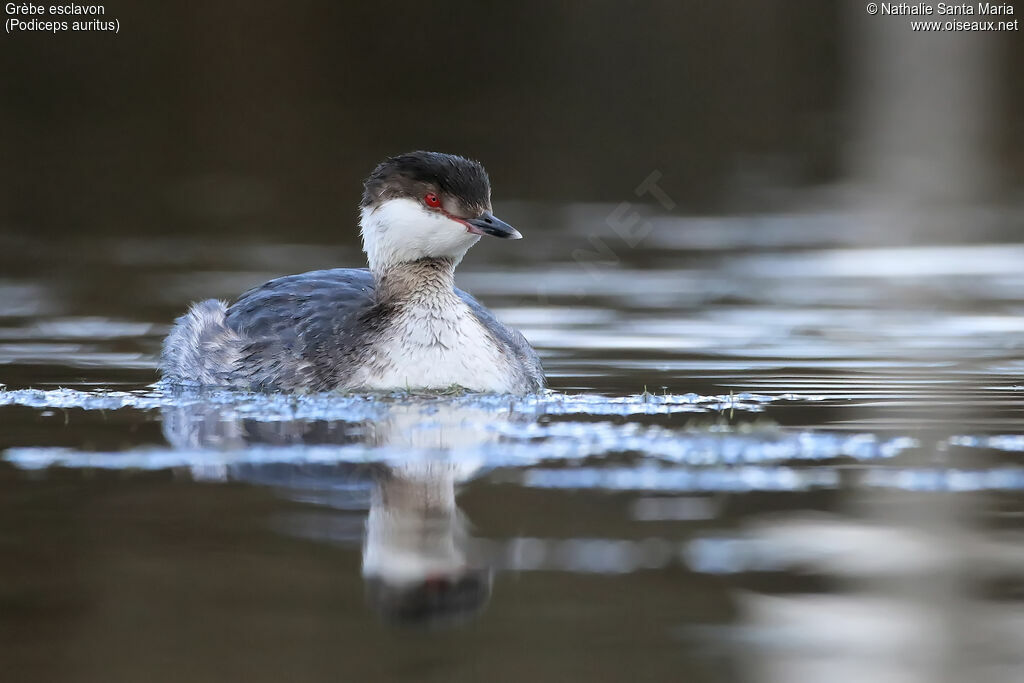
(306, 332)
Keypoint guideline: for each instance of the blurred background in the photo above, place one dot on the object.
(251, 121)
(773, 268)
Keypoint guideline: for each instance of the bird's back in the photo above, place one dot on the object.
(307, 332)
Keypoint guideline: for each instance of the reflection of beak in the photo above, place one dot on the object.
(435, 602)
(487, 224)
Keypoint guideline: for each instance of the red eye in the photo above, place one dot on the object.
(432, 200)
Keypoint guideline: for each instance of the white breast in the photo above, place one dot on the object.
(436, 347)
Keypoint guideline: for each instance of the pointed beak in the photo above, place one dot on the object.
(487, 224)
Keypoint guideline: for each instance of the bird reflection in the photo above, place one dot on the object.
(414, 555)
(418, 564)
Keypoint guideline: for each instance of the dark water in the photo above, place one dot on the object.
(784, 441)
(774, 450)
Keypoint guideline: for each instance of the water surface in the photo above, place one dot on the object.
(773, 450)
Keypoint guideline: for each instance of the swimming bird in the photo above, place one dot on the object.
(400, 324)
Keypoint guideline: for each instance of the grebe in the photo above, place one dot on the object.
(401, 324)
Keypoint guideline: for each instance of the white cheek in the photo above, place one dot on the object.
(446, 238)
(402, 230)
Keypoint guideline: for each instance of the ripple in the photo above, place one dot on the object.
(331, 406)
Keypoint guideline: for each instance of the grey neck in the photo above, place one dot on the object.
(422, 279)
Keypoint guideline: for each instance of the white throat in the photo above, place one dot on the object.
(434, 340)
(402, 231)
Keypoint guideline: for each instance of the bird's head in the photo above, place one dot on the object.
(426, 205)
